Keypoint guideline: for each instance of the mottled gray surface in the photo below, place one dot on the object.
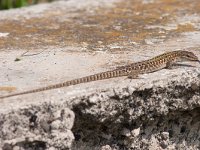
(153, 115)
(45, 126)
(64, 40)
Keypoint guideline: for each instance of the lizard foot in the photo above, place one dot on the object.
(133, 75)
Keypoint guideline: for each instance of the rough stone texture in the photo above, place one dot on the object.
(37, 127)
(155, 115)
(51, 43)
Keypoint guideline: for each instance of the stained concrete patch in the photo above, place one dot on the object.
(51, 43)
(97, 25)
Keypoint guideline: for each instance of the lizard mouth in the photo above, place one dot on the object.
(196, 59)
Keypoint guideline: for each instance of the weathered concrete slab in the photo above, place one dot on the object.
(51, 43)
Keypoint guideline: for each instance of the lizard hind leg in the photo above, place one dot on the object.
(170, 65)
(133, 75)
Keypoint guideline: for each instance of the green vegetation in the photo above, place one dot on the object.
(7, 4)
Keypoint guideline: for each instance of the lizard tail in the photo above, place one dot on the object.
(32, 91)
(95, 77)
(55, 86)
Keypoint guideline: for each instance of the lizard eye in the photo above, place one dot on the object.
(189, 55)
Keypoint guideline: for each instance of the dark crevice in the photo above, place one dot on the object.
(34, 145)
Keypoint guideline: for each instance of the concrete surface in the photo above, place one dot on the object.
(59, 41)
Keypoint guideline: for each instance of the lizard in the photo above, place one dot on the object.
(166, 60)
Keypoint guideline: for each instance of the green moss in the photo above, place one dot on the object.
(7, 4)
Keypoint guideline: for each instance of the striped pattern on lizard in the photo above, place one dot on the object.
(162, 61)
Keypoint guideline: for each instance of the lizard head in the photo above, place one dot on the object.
(189, 56)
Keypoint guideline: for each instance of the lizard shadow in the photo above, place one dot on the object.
(175, 66)
(182, 65)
